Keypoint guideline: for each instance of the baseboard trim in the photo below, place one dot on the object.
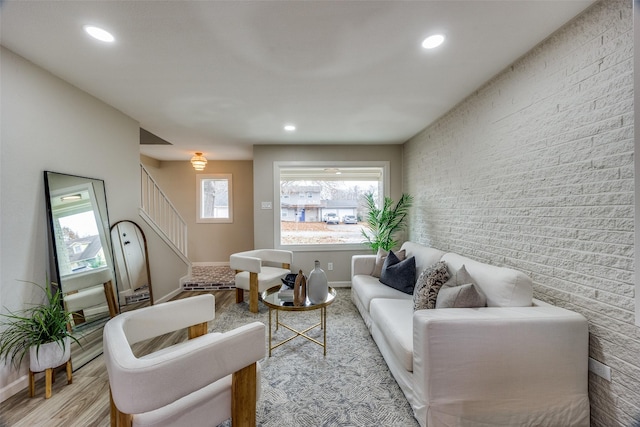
(211, 264)
(15, 387)
(343, 284)
(169, 295)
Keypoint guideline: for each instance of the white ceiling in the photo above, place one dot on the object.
(221, 76)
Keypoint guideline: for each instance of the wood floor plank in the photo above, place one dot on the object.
(85, 402)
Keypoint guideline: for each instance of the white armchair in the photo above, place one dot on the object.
(202, 381)
(258, 270)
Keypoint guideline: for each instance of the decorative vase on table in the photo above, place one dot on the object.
(317, 285)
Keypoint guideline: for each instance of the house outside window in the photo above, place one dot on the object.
(315, 197)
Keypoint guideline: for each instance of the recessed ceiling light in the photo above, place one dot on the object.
(289, 128)
(99, 34)
(433, 41)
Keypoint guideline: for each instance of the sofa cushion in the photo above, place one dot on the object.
(400, 275)
(381, 256)
(368, 287)
(268, 277)
(428, 285)
(460, 296)
(394, 319)
(424, 255)
(503, 287)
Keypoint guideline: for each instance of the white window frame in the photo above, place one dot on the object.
(208, 220)
(278, 165)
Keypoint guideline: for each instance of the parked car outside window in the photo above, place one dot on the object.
(350, 219)
(332, 218)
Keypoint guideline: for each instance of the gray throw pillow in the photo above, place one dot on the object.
(381, 256)
(429, 283)
(460, 296)
(400, 275)
(460, 292)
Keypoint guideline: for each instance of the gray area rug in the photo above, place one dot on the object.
(351, 386)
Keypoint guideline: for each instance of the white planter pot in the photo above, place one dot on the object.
(49, 355)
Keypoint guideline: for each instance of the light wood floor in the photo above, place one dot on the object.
(85, 402)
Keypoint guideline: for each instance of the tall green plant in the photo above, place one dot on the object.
(385, 221)
(40, 324)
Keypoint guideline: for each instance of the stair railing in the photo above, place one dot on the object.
(160, 214)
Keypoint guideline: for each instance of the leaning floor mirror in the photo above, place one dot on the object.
(81, 258)
(131, 262)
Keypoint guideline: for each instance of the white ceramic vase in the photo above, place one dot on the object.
(49, 355)
(317, 285)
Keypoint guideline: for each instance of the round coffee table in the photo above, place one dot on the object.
(271, 300)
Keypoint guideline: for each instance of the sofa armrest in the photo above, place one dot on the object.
(470, 361)
(362, 264)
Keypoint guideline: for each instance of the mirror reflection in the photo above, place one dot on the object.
(131, 265)
(82, 262)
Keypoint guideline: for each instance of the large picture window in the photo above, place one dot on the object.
(214, 198)
(320, 204)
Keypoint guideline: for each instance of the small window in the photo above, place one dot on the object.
(214, 198)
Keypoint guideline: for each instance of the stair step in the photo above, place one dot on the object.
(210, 277)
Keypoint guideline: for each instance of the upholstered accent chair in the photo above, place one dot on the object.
(257, 271)
(202, 381)
(91, 290)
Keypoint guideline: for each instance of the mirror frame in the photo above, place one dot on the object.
(117, 256)
(82, 355)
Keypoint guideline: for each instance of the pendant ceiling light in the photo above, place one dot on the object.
(198, 161)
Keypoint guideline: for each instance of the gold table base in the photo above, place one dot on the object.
(303, 333)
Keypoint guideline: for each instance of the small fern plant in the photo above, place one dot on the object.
(33, 327)
(384, 222)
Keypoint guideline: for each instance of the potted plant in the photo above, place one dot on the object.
(40, 330)
(385, 221)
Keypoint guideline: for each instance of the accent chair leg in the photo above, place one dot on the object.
(253, 292)
(111, 298)
(197, 330)
(113, 411)
(239, 295)
(244, 397)
(118, 419)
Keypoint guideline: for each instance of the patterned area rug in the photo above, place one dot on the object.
(207, 277)
(351, 386)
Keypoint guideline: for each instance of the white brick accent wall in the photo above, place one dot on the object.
(535, 171)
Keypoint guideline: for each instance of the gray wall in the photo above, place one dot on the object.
(535, 171)
(48, 124)
(263, 158)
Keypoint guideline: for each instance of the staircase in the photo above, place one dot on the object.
(158, 211)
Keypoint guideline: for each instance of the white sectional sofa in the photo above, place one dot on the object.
(517, 362)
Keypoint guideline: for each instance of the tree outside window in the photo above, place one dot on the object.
(214, 198)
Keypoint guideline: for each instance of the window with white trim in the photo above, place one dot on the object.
(315, 197)
(214, 198)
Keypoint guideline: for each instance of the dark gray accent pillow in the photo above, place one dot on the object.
(400, 275)
(460, 296)
(429, 283)
(381, 256)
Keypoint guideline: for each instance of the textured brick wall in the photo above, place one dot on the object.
(535, 171)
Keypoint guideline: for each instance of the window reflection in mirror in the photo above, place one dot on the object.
(81, 258)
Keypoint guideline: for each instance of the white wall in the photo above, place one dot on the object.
(48, 124)
(535, 171)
